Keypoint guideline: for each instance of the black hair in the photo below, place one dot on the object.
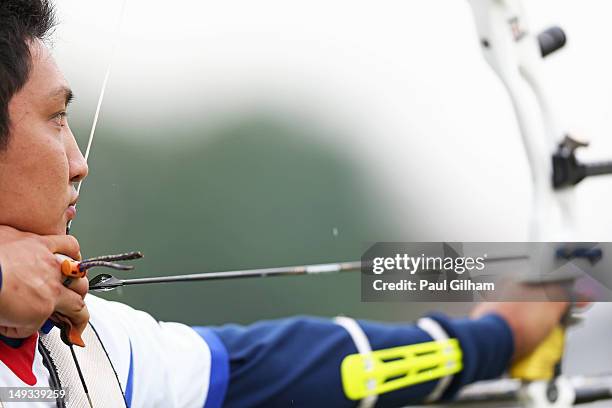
(21, 22)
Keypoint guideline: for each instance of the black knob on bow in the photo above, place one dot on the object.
(568, 171)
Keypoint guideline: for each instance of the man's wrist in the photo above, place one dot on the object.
(487, 343)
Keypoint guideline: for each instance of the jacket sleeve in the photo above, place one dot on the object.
(296, 362)
(158, 364)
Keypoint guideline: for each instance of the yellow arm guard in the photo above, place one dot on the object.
(391, 369)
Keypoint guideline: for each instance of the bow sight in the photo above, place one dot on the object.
(568, 170)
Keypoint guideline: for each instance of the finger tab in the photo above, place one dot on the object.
(71, 269)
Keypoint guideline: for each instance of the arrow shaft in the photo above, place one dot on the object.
(251, 273)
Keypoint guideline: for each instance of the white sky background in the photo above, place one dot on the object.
(404, 80)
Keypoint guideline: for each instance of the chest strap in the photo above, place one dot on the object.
(99, 374)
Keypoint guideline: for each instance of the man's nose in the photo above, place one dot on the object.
(77, 164)
(79, 168)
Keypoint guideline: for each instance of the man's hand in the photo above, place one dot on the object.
(32, 286)
(531, 322)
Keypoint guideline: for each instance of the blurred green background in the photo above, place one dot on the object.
(253, 191)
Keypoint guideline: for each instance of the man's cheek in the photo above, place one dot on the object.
(48, 187)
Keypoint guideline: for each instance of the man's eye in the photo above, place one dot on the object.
(60, 119)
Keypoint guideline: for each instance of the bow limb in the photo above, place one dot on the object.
(516, 55)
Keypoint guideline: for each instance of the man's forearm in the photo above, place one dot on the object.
(297, 361)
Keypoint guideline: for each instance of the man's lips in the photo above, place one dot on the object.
(71, 212)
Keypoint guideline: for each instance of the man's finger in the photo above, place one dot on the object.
(63, 244)
(80, 286)
(72, 305)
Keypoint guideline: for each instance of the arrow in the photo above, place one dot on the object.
(106, 282)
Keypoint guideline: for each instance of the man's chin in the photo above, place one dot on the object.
(38, 224)
(37, 228)
(60, 228)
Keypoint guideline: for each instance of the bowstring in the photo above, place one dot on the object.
(101, 97)
(87, 152)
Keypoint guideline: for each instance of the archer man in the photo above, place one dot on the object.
(131, 359)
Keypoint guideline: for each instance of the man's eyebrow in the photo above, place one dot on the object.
(69, 96)
(63, 92)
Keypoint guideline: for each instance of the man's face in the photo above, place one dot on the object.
(42, 161)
